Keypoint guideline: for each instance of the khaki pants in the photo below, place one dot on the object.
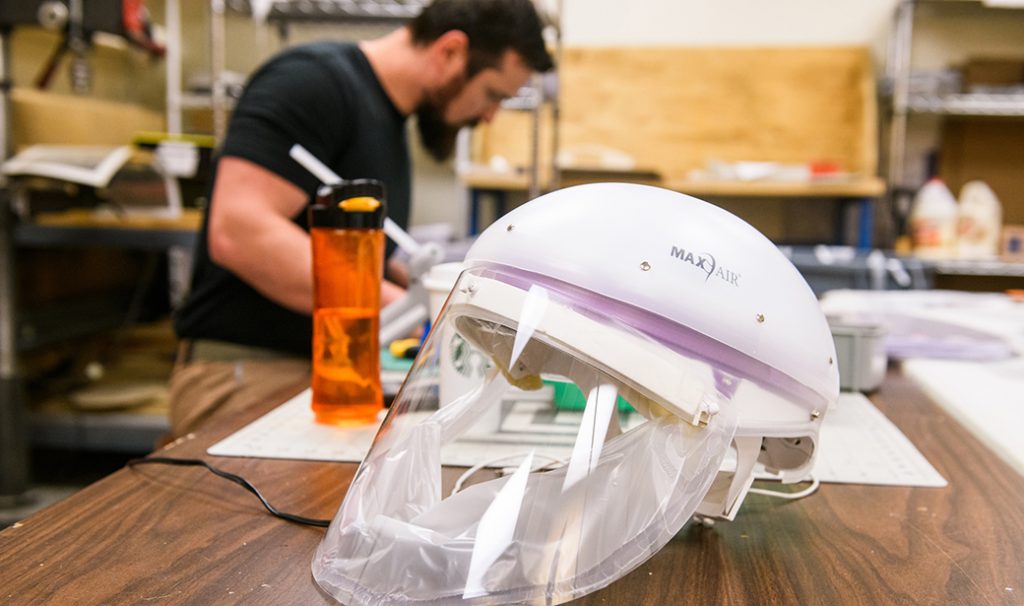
(209, 387)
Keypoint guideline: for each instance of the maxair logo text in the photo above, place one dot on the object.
(706, 263)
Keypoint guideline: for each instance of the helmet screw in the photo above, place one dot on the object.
(510, 227)
(815, 414)
(645, 266)
(830, 361)
(760, 318)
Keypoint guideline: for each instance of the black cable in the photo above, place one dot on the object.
(234, 478)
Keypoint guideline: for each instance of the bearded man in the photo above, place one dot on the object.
(245, 327)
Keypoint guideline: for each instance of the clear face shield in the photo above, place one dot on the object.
(543, 445)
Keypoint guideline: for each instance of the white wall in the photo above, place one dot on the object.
(942, 33)
(726, 22)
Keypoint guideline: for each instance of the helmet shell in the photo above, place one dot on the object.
(677, 257)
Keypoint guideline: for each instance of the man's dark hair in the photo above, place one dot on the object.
(492, 26)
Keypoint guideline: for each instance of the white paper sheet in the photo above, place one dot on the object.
(290, 432)
(859, 445)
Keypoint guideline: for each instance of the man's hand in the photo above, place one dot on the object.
(390, 292)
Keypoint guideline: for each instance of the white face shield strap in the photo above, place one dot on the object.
(543, 533)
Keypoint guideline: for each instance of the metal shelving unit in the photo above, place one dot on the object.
(326, 10)
(967, 104)
(279, 13)
(904, 103)
(963, 267)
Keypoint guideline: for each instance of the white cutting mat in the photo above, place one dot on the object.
(859, 445)
(987, 398)
(290, 431)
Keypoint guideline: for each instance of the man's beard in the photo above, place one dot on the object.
(436, 135)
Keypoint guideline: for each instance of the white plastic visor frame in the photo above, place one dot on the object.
(664, 376)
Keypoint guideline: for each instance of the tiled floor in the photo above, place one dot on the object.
(55, 475)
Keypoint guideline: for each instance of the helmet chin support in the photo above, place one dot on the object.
(729, 488)
(785, 449)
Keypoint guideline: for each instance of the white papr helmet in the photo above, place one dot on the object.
(634, 337)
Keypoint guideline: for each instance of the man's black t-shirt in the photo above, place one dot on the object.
(326, 97)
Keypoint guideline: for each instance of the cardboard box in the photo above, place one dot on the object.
(990, 72)
(1012, 248)
(989, 149)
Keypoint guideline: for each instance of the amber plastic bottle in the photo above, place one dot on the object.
(346, 230)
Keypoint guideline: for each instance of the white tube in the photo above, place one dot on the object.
(400, 237)
(328, 177)
(314, 165)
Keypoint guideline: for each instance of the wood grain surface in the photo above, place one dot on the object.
(163, 535)
(673, 109)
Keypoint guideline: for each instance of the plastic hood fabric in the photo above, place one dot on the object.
(581, 503)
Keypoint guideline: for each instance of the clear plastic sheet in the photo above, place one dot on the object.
(596, 444)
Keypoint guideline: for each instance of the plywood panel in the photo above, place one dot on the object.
(676, 108)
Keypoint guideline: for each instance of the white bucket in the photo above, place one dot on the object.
(439, 282)
(462, 367)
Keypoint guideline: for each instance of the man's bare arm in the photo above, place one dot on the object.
(251, 234)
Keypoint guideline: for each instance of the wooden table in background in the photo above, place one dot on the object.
(170, 535)
(484, 184)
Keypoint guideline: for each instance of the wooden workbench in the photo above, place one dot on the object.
(163, 535)
(483, 183)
